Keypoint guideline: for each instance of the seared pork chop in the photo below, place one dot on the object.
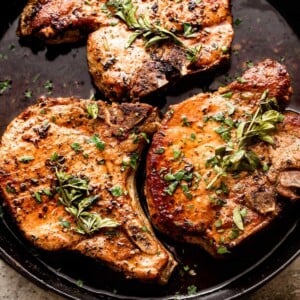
(122, 69)
(67, 175)
(136, 47)
(219, 161)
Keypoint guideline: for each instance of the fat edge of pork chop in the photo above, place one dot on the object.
(209, 182)
(68, 179)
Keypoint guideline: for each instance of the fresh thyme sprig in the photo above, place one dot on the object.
(126, 11)
(74, 194)
(259, 127)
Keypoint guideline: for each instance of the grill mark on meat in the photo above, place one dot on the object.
(30, 186)
(191, 212)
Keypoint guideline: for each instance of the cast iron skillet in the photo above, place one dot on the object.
(262, 29)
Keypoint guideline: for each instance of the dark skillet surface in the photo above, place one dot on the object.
(262, 33)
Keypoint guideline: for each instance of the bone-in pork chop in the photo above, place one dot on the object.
(67, 175)
(219, 161)
(136, 47)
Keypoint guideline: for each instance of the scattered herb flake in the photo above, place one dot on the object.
(79, 283)
(237, 21)
(237, 218)
(160, 150)
(64, 223)
(222, 250)
(95, 139)
(4, 86)
(38, 197)
(25, 159)
(92, 110)
(116, 191)
(28, 94)
(191, 289)
(76, 147)
(145, 137)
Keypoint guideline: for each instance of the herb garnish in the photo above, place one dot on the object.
(222, 250)
(258, 126)
(191, 289)
(92, 110)
(76, 147)
(174, 179)
(4, 85)
(126, 11)
(26, 159)
(48, 86)
(192, 53)
(74, 194)
(95, 139)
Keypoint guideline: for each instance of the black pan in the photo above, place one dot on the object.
(262, 29)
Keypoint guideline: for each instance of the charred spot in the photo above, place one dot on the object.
(110, 62)
(17, 202)
(192, 5)
(138, 111)
(3, 173)
(169, 70)
(23, 186)
(27, 114)
(215, 7)
(34, 181)
(42, 130)
(35, 9)
(154, 8)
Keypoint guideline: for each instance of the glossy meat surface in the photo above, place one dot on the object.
(68, 178)
(136, 47)
(210, 180)
(204, 35)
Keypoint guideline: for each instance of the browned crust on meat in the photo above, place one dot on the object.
(60, 21)
(188, 141)
(53, 126)
(125, 73)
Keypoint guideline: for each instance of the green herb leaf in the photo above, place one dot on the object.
(116, 191)
(237, 218)
(26, 159)
(92, 110)
(160, 150)
(192, 54)
(191, 289)
(74, 194)
(141, 25)
(95, 139)
(4, 85)
(76, 147)
(222, 250)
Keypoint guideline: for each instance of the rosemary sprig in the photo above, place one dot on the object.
(238, 157)
(151, 33)
(74, 194)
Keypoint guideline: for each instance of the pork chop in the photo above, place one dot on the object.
(123, 69)
(219, 161)
(136, 47)
(67, 175)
